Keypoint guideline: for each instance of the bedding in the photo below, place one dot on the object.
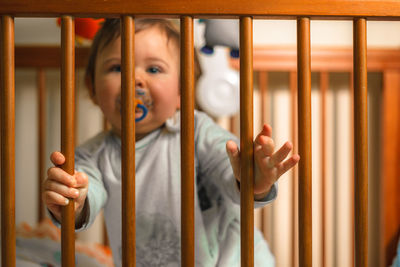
(41, 246)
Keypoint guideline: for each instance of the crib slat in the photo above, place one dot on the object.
(7, 143)
(187, 143)
(263, 86)
(323, 84)
(304, 120)
(67, 133)
(246, 143)
(41, 93)
(351, 182)
(265, 117)
(128, 142)
(295, 182)
(360, 141)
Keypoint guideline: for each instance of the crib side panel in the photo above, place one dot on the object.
(382, 9)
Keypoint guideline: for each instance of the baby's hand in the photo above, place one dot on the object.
(268, 165)
(59, 186)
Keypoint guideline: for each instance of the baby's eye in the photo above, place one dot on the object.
(153, 69)
(115, 68)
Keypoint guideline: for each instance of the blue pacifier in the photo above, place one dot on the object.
(143, 102)
(143, 110)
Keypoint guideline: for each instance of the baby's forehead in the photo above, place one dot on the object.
(172, 42)
(171, 39)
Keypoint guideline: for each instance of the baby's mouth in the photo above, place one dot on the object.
(143, 102)
(138, 113)
(144, 97)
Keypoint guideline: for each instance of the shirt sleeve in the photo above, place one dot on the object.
(86, 158)
(210, 142)
(97, 194)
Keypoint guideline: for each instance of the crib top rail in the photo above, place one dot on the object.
(287, 9)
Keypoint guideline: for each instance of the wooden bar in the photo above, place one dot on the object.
(351, 127)
(267, 211)
(274, 58)
(28, 56)
(389, 196)
(128, 141)
(323, 85)
(295, 185)
(304, 120)
(377, 9)
(187, 142)
(41, 95)
(246, 143)
(360, 142)
(68, 134)
(263, 85)
(7, 142)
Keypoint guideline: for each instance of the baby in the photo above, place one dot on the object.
(96, 183)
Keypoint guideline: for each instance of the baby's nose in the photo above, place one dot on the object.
(139, 82)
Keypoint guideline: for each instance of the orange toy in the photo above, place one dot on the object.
(85, 28)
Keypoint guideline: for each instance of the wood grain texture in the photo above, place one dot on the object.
(333, 59)
(294, 174)
(246, 143)
(47, 56)
(382, 9)
(360, 142)
(68, 134)
(41, 100)
(7, 142)
(304, 126)
(187, 142)
(390, 200)
(128, 141)
(323, 85)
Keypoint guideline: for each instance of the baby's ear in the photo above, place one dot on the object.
(90, 86)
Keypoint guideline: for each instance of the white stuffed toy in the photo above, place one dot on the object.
(221, 32)
(217, 90)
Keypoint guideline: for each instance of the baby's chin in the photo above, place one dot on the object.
(138, 133)
(143, 128)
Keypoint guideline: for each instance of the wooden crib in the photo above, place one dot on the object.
(357, 10)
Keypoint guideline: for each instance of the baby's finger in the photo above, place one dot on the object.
(59, 175)
(281, 154)
(53, 198)
(61, 189)
(263, 146)
(234, 157)
(266, 130)
(57, 158)
(81, 180)
(288, 164)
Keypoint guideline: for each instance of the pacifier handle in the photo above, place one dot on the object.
(144, 111)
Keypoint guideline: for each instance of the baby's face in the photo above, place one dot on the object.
(156, 70)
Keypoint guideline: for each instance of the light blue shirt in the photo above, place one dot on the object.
(158, 186)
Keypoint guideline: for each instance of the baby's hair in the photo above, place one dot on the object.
(111, 30)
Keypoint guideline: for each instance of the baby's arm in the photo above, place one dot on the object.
(269, 164)
(59, 186)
